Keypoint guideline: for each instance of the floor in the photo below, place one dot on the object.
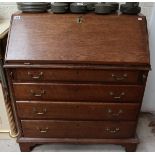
(147, 139)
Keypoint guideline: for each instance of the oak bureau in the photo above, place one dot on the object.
(77, 78)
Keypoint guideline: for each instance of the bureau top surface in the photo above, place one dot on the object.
(78, 38)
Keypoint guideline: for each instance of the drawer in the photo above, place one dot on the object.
(96, 75)
(77, 110)
(78, 92)
(77, 129)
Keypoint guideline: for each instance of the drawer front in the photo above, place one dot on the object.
(98, 75)
(77, 110)
(77, 129)
(78, 92)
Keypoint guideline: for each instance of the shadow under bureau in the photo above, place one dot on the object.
(80, 83)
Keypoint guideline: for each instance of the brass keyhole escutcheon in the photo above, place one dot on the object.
(79, 20)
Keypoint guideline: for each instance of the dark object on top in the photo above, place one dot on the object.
(130, 8)
(114, 5)
(78, 7)
(60, 7)
(102, 8)
(91, 6)
(132, 4)
(34, 7)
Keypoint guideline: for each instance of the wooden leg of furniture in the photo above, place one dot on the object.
(130, 147)
(26, 147)
(26, 144)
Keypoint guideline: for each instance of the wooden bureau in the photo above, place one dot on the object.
(77, 82)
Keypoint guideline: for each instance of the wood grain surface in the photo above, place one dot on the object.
(78, 92)
(113, 39)
(77, 110)
(74, 75)
(77, 129)
(74, 82)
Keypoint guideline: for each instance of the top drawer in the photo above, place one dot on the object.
(81, 75)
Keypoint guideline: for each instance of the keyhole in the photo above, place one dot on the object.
(79, 19)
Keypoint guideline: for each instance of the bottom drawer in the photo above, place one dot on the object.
(77, 129)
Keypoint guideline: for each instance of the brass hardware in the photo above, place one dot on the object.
(43, 130)
(115, 114)
(117, 97)
(79, 20)
(119, 78)
(39, 94)
(112, 130)
(12, 135)
(11, 75)
(27, 63)
(4, 131)
(39, 113)
(36, 77)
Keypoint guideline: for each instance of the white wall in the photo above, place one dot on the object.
(6, 9)
(149, 96)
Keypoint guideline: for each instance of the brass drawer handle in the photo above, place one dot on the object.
(39, 94)
(40, 113)
(117, 97)
(39, 76)
(42, 130)
(115, 114)
(119, 78)
(112, 130)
